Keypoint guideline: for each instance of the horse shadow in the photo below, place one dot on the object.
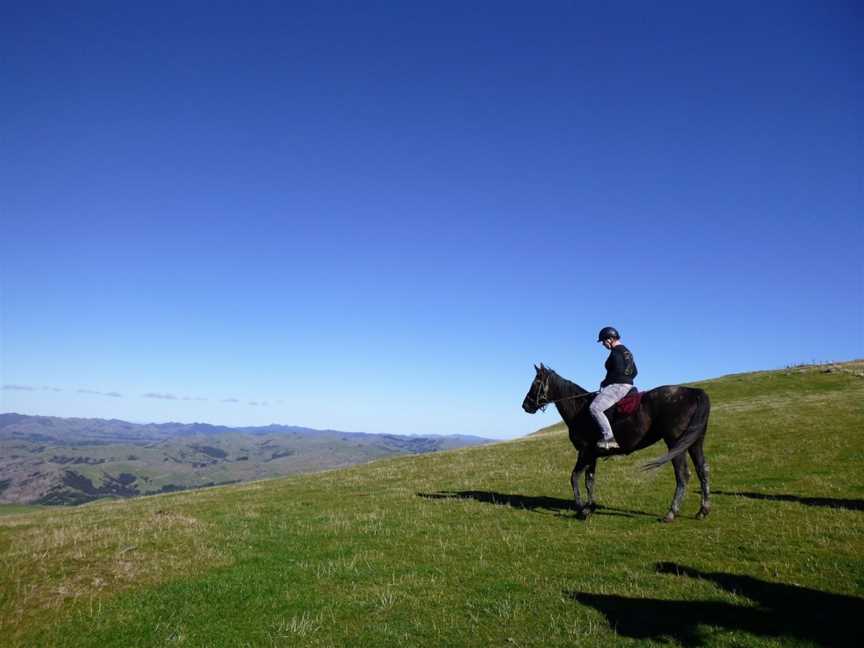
(826, 502)
(781, 612)
(557, 505)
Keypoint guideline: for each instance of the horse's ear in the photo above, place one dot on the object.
(536, 368)
(542, 367)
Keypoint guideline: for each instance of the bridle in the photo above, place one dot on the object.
(543, 394)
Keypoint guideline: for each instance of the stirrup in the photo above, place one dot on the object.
(608, 444)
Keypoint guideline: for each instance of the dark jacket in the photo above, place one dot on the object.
(620, 367)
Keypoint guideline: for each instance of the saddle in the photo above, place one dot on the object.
(627, 405)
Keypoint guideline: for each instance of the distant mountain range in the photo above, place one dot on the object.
(51, 460)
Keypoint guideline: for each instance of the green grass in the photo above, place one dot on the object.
(478, 547)
(15, 509)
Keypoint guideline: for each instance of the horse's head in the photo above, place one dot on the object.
(538, 394)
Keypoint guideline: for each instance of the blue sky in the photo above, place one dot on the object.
(377, 217)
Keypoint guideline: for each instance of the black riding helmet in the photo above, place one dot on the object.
(608, 332)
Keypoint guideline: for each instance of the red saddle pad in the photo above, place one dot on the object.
(630, 403)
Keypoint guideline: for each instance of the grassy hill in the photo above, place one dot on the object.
(479, 546)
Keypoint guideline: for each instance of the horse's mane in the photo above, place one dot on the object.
(565, 387)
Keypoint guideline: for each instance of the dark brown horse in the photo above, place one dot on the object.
(678, 415)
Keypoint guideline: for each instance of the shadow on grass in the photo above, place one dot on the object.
(781, 610)
(827, 502)
(529, 502)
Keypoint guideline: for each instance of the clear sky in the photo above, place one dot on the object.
(377, 216)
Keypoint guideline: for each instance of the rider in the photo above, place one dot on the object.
(620, 372)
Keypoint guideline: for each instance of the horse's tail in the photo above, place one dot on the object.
(695, 430)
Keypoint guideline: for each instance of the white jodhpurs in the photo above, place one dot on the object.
(608, 396)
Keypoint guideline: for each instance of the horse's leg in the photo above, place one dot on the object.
(582, 463)
(698, 457)
(682, 476)
(589, 484)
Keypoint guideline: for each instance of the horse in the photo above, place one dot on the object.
(676, 414)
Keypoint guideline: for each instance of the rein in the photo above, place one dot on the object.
(558, 400)
(575, 396)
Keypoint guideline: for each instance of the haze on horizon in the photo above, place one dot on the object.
(378, 218)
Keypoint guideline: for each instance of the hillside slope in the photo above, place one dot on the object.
(479, 546)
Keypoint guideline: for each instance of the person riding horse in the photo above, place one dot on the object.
(620, 372)
(675, 414)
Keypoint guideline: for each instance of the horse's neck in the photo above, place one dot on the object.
(568, 408)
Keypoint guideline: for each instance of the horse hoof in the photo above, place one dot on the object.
(703, 513)
(583, 513)
(670, 517)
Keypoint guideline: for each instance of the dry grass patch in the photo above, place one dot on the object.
(84, 554)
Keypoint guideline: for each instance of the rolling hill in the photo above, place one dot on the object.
(51, 460)
(479, 546)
